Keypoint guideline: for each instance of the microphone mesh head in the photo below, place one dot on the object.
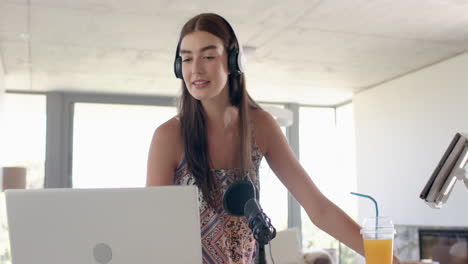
(236, 196)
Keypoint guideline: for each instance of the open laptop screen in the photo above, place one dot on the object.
(115, 226)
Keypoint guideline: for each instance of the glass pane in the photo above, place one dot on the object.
(97, 128)
(111, 143)
(23, 136)
(316, 134)
(327, 154)
(346, 172)
(22, 144)
(273, 194)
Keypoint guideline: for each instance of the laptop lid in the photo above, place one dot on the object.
(105, 226)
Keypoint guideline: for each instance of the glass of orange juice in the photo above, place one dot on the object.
(378, 234)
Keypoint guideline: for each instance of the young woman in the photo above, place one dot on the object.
(220, 135)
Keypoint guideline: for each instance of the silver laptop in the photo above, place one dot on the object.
(105, 226)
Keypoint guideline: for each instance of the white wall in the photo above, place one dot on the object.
(402, 129)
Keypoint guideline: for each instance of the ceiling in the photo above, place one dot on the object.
(306, 51)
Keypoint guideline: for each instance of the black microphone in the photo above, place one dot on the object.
(260, 224)
(239, 200)
(237, 195)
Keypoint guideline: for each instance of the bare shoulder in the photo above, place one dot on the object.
(165, 153)
(262, 117)
(168, 136)
(264, 124)
(169, 130)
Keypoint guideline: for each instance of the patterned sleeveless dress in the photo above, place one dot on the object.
(225, 239)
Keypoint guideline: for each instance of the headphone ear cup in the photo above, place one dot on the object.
(178, 67)
(233, 65)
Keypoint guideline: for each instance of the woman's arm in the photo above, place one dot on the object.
(164, 154)
(322, 212)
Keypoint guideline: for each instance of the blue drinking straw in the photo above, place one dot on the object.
(376, 208)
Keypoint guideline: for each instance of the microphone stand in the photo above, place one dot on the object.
(245, 193)
(261, 259)
(260, 224)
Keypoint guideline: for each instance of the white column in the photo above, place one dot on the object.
(4, 242)
(2, 93)
(2, 82)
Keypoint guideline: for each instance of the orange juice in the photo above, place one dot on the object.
(378, 251)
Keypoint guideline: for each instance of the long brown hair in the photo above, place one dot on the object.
(193, 119)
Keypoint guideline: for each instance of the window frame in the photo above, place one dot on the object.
(59, 136)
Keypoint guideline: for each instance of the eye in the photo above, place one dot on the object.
(186, 59)
(209, 57)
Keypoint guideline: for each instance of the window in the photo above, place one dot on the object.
(23, 135)
(273, 194)
(22, 143)
(273, 197)
(327, 154)
(110, 147)
(111, 143)
(346, 173)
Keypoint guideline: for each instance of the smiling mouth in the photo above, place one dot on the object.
(200, 84)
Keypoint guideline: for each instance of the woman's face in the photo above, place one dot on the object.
(204, 65)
